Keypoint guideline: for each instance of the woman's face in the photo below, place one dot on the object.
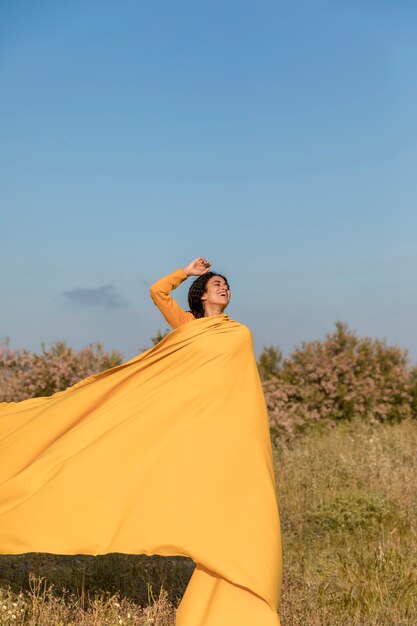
(217, 292)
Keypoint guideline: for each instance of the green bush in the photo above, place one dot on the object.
(348, 510)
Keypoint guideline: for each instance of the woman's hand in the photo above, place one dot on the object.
(198, 267)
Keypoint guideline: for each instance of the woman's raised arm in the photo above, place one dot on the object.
(160, 291)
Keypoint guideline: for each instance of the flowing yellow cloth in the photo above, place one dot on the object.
(168, 453)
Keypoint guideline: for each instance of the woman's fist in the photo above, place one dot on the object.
(198, 267)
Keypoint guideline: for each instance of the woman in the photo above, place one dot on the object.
(168, 453)
(206, 593)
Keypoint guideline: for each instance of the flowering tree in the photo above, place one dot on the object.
(24, 374)
(339, 378)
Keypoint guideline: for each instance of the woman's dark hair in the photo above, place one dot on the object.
(197, 289)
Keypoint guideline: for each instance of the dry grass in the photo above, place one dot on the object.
(41, 607)
(348, 502)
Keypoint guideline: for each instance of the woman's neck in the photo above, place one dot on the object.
(213, 309)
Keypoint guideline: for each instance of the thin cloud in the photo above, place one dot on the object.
(105, 296)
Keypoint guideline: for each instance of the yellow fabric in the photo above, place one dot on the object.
(168, 453)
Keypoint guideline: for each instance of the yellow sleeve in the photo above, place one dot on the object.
(170, 309)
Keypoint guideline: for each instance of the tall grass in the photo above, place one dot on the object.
(348, 503)
(348, 500)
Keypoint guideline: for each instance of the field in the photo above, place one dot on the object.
(348, 499)
(348, 503)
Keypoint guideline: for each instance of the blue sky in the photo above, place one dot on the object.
(276, 139)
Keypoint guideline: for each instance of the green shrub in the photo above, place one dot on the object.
(349, 510)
